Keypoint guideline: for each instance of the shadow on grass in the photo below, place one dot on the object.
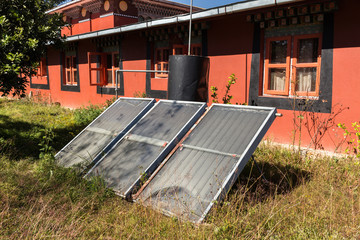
(20, 139)
(274, 179)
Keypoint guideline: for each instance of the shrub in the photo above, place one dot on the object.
(83, 116)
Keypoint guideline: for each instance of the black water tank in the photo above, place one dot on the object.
(188, 78)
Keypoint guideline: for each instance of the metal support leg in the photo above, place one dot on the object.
(261, 172)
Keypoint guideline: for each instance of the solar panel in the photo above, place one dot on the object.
(207, 163)
(143, 148)
(89, 145)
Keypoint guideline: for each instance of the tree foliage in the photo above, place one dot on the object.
(26, 31)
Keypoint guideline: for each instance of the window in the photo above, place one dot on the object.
(70, 81)
(179, 50)
(292, 65)
(39, 78)
(70, 71)
(112, 64)
(306, 65)
(162, 61)
(183, 49)
(195, 50)
(102, 68)
(41, 69)
(162, 56)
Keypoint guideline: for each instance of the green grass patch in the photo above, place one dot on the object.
(301, 198)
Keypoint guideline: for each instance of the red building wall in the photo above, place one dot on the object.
(229, 51)
(229, 47)
(346, 85)
(134, 58)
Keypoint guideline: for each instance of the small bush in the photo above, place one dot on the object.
(83, 116)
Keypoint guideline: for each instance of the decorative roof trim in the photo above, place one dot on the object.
(209, 13)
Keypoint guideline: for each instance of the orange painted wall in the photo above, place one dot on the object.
(346, 83)
(229, 51)
(133, 82)
(134, 58)
(66, 31)
(95, 23)
(83, 27)
(39, 79)
(346, 73)
(75, 27)
(101, 23)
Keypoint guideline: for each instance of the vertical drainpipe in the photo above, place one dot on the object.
(190, 22)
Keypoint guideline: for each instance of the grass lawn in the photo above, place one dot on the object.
(305, 197)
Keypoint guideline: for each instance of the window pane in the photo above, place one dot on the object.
(75, 77)
(116, 60)
(277, 78)
(67, 62)
(308, 50)
(109, 61)
(68, 77)
(109, 76)
(98, 77)
(166, 66)
(306, 79)
(166, 55)
(158, 66)
(196, 51)
(158, 55)
(178, 51)
(74, 62)
(278, 51)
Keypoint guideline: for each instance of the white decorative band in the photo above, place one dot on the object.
(123, 15)
(117, 14)
(85, 20)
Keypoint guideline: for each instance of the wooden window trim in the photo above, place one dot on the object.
(291, 66)
(41, 69)
(269, 65)
(114, 67)
(172, 51)
(185, 49)
(101, 69)
(296, 65)
(72, 69)
(175, 46)
(193, 46)
(162, 62)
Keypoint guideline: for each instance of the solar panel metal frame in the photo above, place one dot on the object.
(171, 144)
(121, 134)
(238, 167)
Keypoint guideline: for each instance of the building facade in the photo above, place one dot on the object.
(301, 56)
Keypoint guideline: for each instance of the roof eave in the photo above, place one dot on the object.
(209, 13)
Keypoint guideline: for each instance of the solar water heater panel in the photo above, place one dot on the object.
(207, 163)
(96, 138)
(141, 150)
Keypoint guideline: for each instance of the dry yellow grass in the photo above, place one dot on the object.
(304, 198)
